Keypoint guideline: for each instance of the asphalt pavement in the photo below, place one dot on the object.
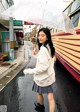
(19, 97)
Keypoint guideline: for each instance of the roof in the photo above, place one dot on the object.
(2, 27)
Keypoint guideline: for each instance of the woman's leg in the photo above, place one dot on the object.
(39, 106)
(40, 98)
(51, 102)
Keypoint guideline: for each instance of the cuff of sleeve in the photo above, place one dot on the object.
(25, 71)
(28, 71)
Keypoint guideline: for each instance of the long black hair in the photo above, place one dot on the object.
(48, 41)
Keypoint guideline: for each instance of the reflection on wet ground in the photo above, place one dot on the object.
(69, 89)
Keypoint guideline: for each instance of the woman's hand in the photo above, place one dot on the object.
(55, 58)
(27, 71)
(35, 51)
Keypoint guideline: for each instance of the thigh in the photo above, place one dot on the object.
(50, 96)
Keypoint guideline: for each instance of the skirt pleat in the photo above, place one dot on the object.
(48, 89)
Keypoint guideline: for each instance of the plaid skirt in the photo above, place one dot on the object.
(43, 90)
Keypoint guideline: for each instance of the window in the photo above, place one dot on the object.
(75, 19)
(7, 1)
(75, 5)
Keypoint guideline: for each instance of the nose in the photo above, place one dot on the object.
(40, 37)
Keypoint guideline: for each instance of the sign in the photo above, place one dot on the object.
(28, 23)
(5, 36)
(5, 41)
(17, 23)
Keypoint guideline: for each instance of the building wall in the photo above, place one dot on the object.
(3, 5)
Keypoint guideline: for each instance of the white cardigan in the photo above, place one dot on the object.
(44, 74)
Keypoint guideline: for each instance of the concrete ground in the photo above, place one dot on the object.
(7, 73)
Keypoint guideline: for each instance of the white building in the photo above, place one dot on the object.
(4, 4)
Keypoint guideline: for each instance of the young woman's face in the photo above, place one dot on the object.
(42, 37)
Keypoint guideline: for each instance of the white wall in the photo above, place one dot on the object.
(3, 5)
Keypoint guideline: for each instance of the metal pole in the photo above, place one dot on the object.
(11, 33)
(11, 38)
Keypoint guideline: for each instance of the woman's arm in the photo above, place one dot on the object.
(44, 61)
(55, 58)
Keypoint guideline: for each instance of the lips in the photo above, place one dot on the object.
(40, 40)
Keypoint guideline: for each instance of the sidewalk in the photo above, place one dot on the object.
(13, 67)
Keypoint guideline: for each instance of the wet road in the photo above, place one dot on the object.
(19, 97)
(68, 88)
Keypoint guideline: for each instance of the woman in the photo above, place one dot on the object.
(44, 74)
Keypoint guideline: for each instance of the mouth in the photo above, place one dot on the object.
(40, 40)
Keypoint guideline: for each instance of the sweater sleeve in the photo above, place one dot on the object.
(43, 59)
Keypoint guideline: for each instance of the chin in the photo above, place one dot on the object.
(41, 42)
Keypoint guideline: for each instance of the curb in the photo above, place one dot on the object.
(12, 73)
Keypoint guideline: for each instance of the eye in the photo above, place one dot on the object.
(42, 35)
